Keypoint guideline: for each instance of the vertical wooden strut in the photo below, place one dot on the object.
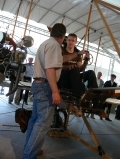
(28, 17)
(97, 52)
(63, 19)
(87, 27)
(108, 28)
(16, 17)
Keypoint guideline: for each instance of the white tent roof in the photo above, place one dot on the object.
(75, 13)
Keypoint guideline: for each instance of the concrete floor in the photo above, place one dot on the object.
(12, 139)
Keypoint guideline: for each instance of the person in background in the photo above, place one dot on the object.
(100, 82)
(28, 75)
(47, 70)
(110, 83)
(16, 95)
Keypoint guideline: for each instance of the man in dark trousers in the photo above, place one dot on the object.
(27, 78)
(72, 71)
(110, 83)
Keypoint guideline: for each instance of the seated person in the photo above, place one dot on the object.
(73, 75)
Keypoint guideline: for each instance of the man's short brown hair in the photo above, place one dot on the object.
(100, 73)
(113, 75)
(73, 35)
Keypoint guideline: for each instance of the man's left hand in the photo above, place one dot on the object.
(87, 56)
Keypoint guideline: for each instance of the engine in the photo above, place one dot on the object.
(12, 56)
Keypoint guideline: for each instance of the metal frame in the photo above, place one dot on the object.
(79, 112)
(97, 148)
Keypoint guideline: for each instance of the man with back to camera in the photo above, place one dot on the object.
(70, 76)
(47, 69)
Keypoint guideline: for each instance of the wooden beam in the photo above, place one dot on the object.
(28, 17)
(87, 27)
(108, 28)
(16, 17)
(108, 5)
(114, 10)
(97, 53)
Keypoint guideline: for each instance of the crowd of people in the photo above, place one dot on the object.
(55, 68)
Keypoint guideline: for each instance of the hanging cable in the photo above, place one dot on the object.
(80, 40)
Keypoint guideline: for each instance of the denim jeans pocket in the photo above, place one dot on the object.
(41, 96)
(42, 92)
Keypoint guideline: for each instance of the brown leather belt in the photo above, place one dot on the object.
(40, 79)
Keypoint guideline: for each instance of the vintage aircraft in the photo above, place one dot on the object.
(12, 56)
(12, 62)
(91, 102)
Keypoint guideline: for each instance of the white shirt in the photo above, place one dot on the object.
(49, 55)
(29, 70)
(98, 82)
(112, 83)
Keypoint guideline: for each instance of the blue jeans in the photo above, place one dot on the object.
(41, 119)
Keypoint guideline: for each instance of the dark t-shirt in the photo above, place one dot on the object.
(74, 61)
